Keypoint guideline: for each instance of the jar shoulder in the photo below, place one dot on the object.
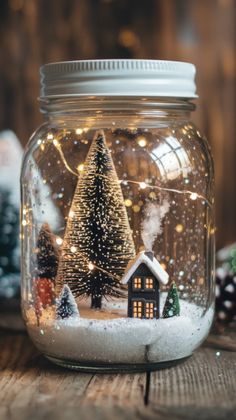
(199, 140)
(38, 137)
(178, 139)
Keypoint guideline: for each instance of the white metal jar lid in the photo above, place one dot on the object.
(145, 78)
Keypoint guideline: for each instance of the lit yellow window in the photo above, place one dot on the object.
(137, 309)
(149, 309)
(149, 283)
(137, 283)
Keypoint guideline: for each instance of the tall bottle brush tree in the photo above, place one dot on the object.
(98, 241)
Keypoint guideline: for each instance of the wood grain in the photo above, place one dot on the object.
(205, 380)
(203, 32)
(31, 387)
(30, 382)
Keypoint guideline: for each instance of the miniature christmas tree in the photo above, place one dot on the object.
(47, 263)
(47, 256)
(66, 306)
(98, 242)
(172, 307)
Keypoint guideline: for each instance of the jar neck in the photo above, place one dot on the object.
(61, 109)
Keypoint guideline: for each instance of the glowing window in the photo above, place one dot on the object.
(149, 284)
(137, 283)
(149, 309)
(137, 309)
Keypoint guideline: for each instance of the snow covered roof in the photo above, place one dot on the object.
(153, 265)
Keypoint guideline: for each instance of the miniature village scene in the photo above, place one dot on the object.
(93, 294)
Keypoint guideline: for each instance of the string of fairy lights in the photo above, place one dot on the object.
(142, 185)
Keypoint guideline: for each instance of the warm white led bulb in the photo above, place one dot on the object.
(90, 266)
(79, 131)
(59, 240)
(193, 196)
(142, 185)
(142, 141)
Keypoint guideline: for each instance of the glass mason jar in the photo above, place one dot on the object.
(117, 217)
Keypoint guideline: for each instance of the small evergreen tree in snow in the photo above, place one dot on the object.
(45, 270)
(48, 255)
(172, 307)
(66, 305)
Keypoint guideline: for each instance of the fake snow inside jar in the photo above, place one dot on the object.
(117, 217)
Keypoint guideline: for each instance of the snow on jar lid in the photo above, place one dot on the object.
(146, 78)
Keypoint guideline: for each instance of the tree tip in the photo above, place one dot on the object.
(99, 134)
(64, 288)
(45, 227)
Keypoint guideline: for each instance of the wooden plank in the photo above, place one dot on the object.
(203, 386)
(30, 386)
(131, 389)
(29, 382)
(223, 342)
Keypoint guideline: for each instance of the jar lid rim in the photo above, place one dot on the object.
(118, 77)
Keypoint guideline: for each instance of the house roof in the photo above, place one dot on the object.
(153, 265)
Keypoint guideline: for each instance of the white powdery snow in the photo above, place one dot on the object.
(122, 340)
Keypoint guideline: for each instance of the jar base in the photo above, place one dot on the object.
(116, 367)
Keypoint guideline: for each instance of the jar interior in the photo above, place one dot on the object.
(118, 241)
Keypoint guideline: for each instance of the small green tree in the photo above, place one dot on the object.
(172, 307)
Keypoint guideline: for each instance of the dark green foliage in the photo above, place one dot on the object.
(98, 231)
(47, 254)
(172, 307)
(66, 306)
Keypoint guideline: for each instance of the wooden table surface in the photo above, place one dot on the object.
(202, 388)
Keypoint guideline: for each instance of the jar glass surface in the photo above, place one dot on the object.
(117, 233)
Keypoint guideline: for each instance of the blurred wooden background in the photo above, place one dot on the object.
(33, 32)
